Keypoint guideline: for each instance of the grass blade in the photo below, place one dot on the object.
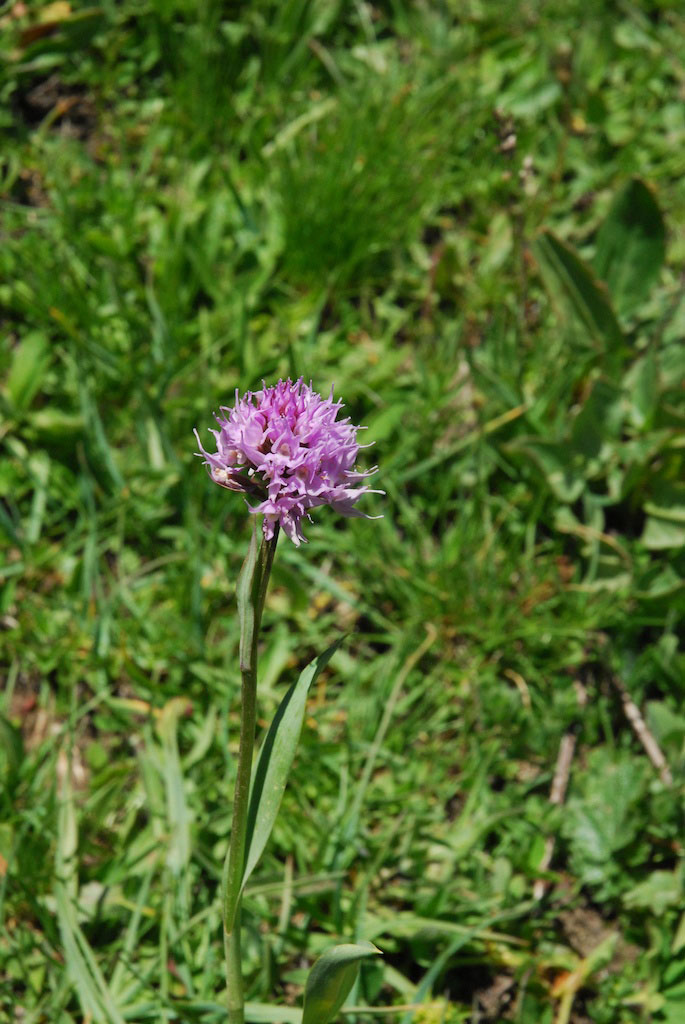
(82, 967)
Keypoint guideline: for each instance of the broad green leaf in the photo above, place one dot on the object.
(660, 534)
(569, 278)
(631, 246)
(275, 761)
(599, 420)
(29, 363)
(673, 1011)
(600, 820)
(668, 502)
(331, 979)
(664, 723)
(659, 581)
(630, 35)
(673, 978)
(660, 890)
(530, 90)
(641, 387)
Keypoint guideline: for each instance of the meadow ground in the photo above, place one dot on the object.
(469, 217)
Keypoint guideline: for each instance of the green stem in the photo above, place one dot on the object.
(234, 977)
(252, 587)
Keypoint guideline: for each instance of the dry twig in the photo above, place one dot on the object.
(641, 730)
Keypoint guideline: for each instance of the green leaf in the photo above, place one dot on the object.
(6, 843)
(29, 363)
(178, 813)
(275, 761)
(664, 723)
(265, 1013)
(331, 979)
(568, 278)
(70, 34)
(601, 820)
(659, 581)
(599, 420)
(641, 388)
(11, 745)
(631, 246)
(660, 890)
(53, 425)
(660, 534)
(679, 937)
(668, 502)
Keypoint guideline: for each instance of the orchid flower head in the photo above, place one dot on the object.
(286, 447)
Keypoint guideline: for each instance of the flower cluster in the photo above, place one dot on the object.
(285, 446)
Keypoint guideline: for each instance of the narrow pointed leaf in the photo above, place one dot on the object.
(179, 817)
(331, 979)
(264, 1013)
(275, 761)
(29, 363)
(569, 278)
(631, 246)
(11, 745)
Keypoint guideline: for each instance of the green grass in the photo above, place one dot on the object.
(197, 197)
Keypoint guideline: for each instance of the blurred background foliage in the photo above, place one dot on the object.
(469, 217)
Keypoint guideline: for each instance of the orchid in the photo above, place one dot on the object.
(285, 447)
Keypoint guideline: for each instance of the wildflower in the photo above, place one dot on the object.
(285, 446)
